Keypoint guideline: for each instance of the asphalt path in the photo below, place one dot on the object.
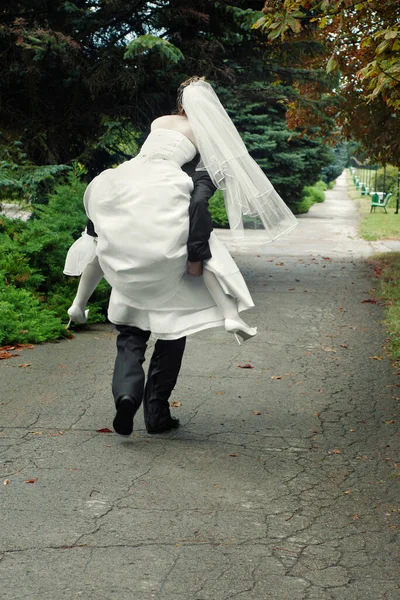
(281, 483)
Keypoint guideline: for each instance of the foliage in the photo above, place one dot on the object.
(20, 179)
(24, 319)
(338, 164)
(387, 270)
(376, 225)
(311, 195)
(358, 40)
(35, 294)
(216, 206)
(388, 181)
(150, 43)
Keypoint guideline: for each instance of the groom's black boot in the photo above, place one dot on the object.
(128, 378)
(163, 372)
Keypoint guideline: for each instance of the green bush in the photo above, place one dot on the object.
(311, 195)
(216, 206)
(24, 318)
(34, 292)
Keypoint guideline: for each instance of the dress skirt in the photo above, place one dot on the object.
(140, 212)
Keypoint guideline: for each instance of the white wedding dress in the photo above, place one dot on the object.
(140, 213)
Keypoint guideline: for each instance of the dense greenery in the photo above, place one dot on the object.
(357, 41)
(34, 293)
(387, 271)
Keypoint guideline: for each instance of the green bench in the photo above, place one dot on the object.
(378, 202)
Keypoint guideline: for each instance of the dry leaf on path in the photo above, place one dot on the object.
(175, 404)
(246, 366)
(104, 430)
(328, 349)
(233, 454)
(4, 354)
(24, 365)
(376, 357)
(369, 301)
(17, 347)
(6, 482)
(33, 480)
(256, 412)
(276, 377)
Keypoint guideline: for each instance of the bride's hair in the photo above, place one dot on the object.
(182, 86)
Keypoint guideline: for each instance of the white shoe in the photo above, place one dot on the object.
(76, 315)
(240, 329)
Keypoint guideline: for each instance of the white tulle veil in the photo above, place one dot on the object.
(247, 190)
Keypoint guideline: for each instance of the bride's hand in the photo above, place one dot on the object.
(194, 268)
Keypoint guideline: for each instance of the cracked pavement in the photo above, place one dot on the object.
(282, 482)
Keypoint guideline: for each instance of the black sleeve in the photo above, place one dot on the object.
(90, 228)
(200, 225)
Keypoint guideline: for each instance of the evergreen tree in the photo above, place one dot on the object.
(290, 160)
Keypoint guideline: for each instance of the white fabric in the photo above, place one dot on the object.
(140, 213)
(81, 253)
(247, 190)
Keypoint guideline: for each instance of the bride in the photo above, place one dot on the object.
(140, 212)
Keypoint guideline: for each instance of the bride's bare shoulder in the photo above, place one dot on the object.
(169, 121)
(176, 123)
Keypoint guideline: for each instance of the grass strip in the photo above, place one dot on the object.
(387, 271)
(376, 225)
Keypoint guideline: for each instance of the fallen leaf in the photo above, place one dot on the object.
(391, 422)
(279, 264)
(104, 430)
(326, 258)
(35, 432)
(256, 412)
(376, 357)
(17, 347)
(175, 404)
(369, 301)
(6, 482)
(352, 430)
(24, 365)
(343, 345)
(328, 349)
(233, 454)
(335, 451)
(246, 366)
(5, 354)
(276, 377)
(220, 393)
(33, 480)
(347, 492)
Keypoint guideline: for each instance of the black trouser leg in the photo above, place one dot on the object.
(128, 375)
(163, 372)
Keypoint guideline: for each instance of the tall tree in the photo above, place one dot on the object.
(361, 42)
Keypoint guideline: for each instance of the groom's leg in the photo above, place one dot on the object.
(128, 378)
(163, 372)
